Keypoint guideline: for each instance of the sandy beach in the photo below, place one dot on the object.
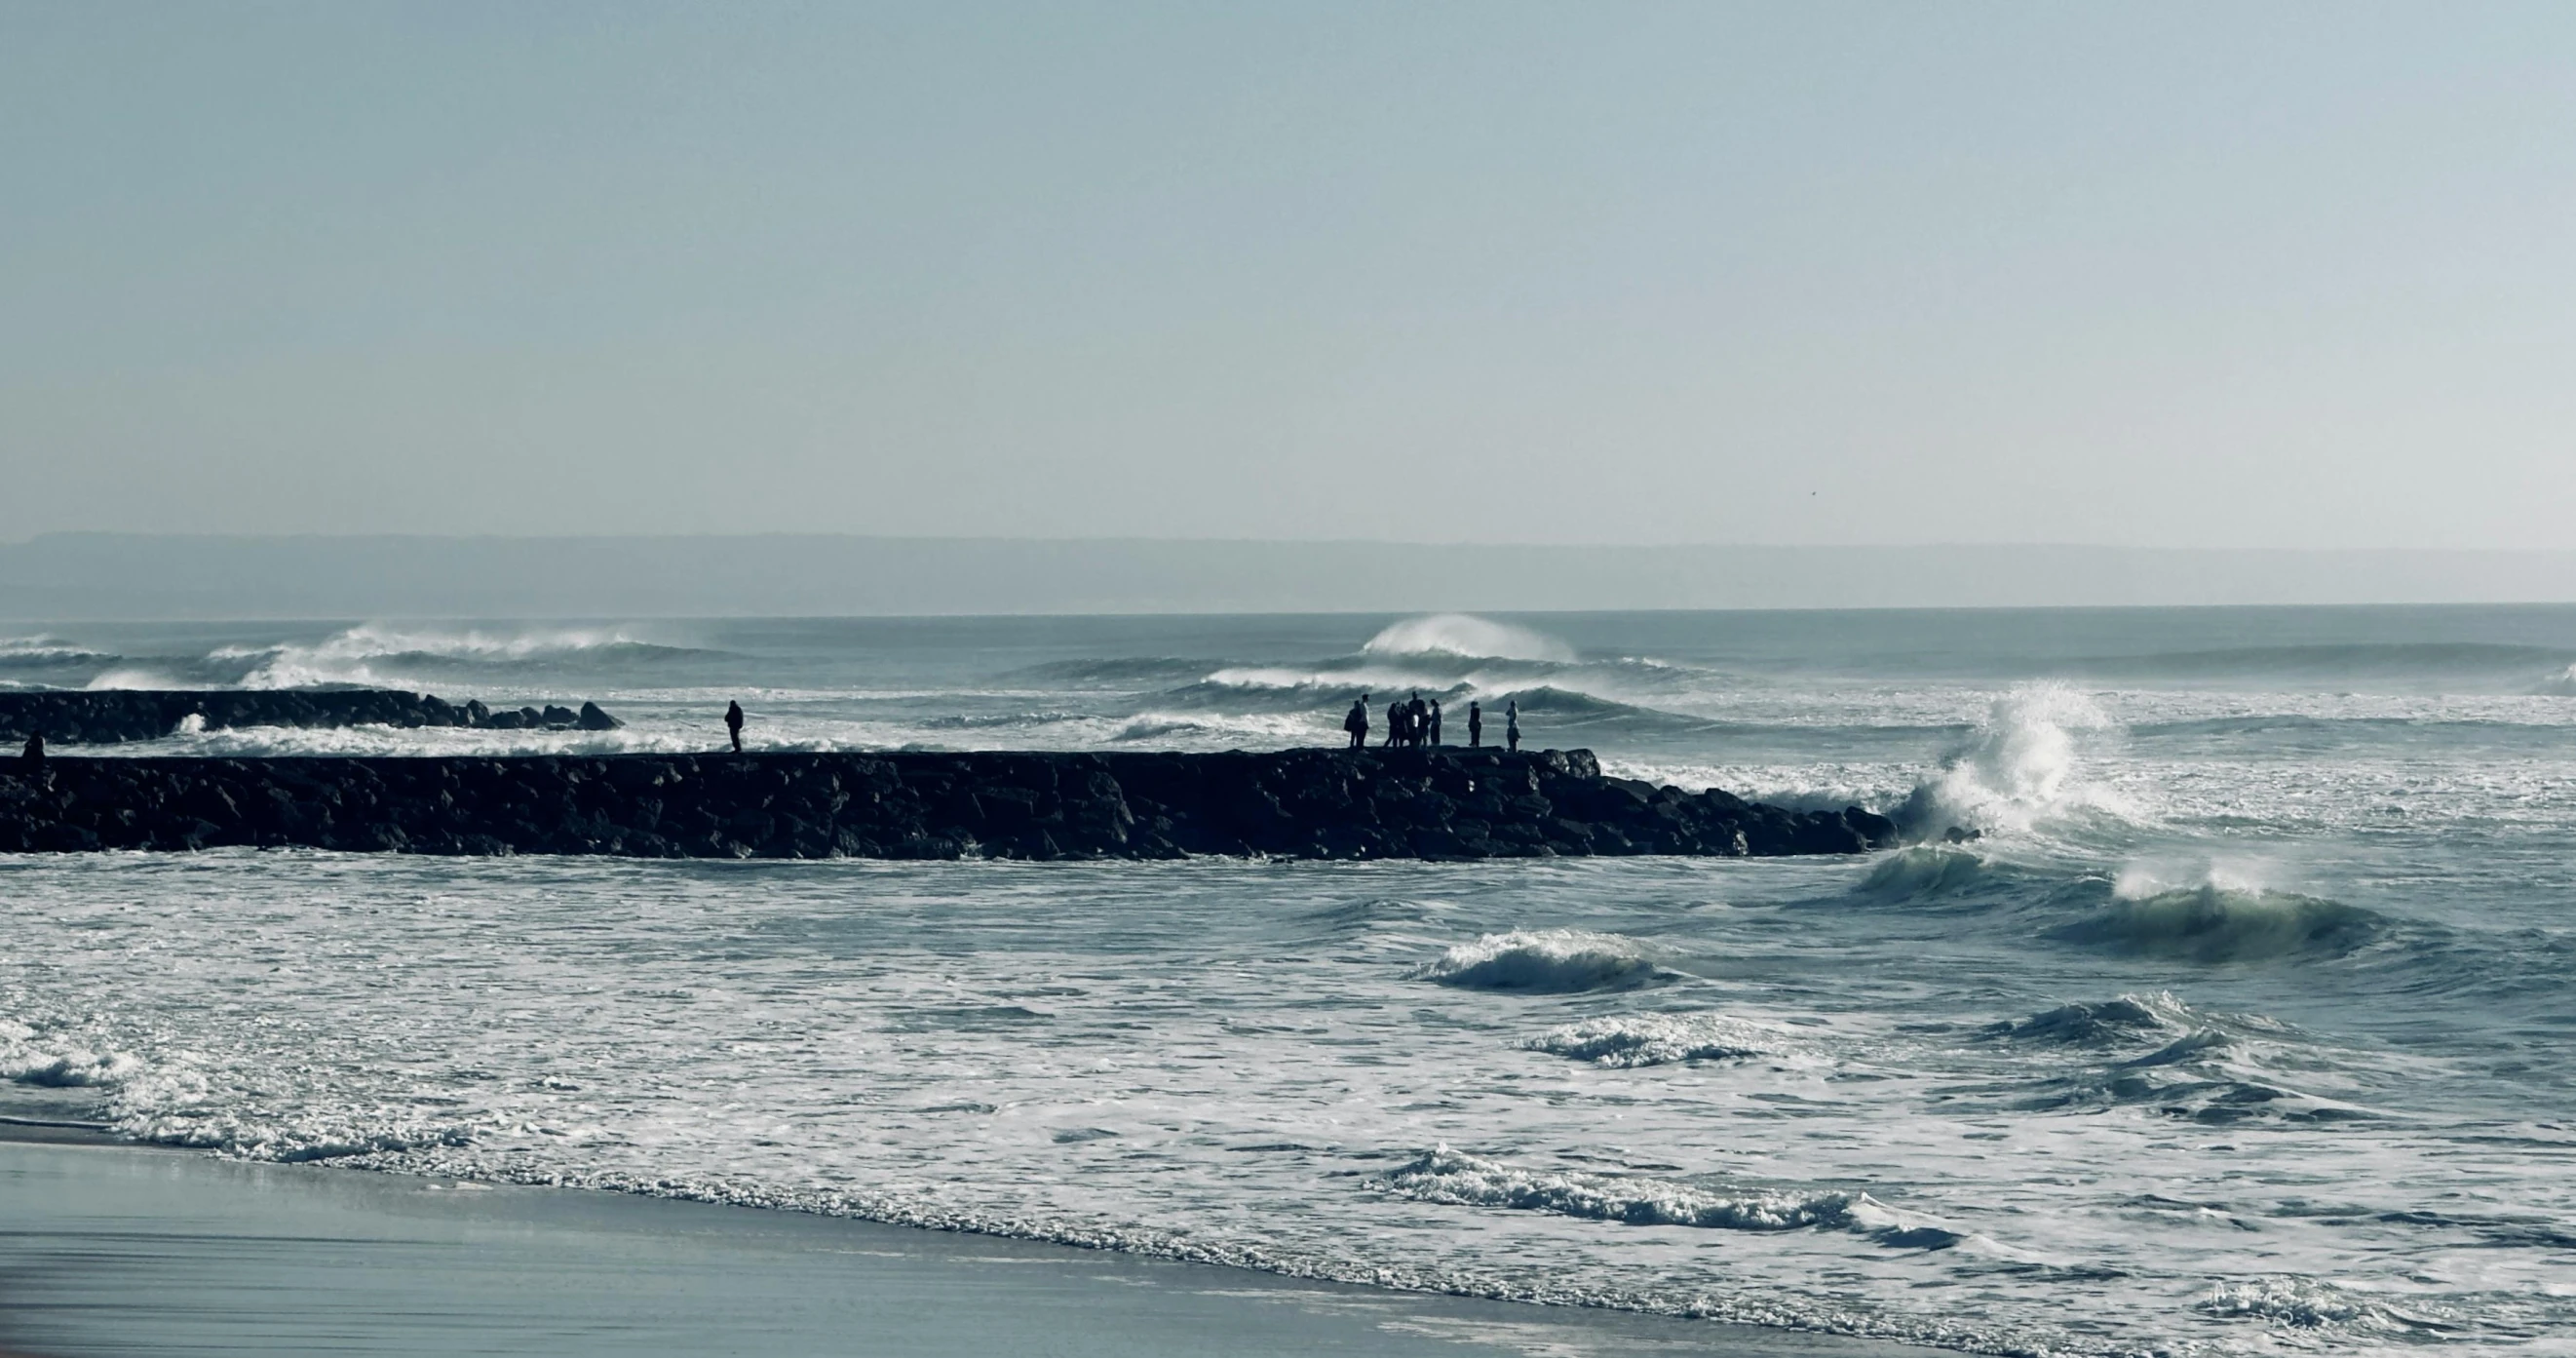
(112, 1249)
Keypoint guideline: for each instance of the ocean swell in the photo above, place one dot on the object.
(2214, 923)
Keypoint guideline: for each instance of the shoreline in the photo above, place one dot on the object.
(122, 1248)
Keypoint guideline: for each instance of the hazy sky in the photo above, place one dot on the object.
(2269, 274)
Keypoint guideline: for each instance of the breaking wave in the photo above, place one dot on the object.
(1632, 1040)
(380, 656)
(1461, 634)
(1545, 962)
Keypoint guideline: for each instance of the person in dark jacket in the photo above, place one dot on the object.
(1417, 721)
(1394, 723)
(733, 724)
(1475, 724)
(1357, 723)
(1435, 721)
(34, 755)
(1512, 724)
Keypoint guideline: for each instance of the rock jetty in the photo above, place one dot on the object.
(1437, 804)
(114, 716)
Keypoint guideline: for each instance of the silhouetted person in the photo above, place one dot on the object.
(1475, 725)
(1512, 724)
(1435, 721)
(1417, 721)
(1394, 723)
(34, 755)
(1357, 723)
(733, 724)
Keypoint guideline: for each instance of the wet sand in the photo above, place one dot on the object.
(111, 1249)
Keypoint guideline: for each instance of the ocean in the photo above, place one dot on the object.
(2243, 1026)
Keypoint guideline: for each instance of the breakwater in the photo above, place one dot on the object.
(1440, 803)
(114, 716)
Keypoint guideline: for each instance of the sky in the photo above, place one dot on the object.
(2170, 274)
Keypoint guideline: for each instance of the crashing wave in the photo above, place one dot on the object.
(1630, 1040)
(1462, 634)
(2215, 923)
(1545, 962)
(2022, 766)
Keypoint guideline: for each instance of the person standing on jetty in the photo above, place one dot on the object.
(1512, 724)
(1357, 723)
(1435, 721)
(1417, 721)
(1475, 724)
(733, 725)
(1395, 723)
(34, 755)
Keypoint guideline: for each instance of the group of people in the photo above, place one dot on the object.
(1413, 723)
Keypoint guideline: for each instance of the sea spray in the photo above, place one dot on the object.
(2023, 765)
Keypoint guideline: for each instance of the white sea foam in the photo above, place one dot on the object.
(1460, 1179)
(1462, 634)
(1253, 730)
(1630, 1040)
(2310, 1303)
(1545, 962)
(53, 1061)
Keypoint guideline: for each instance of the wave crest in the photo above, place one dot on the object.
(1463, 634)
(379, 656)
(1544, 962)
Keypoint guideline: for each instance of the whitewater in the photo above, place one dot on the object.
(2241, 1025)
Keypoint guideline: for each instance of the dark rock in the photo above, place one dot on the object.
(113, 716)
(1438, 804)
